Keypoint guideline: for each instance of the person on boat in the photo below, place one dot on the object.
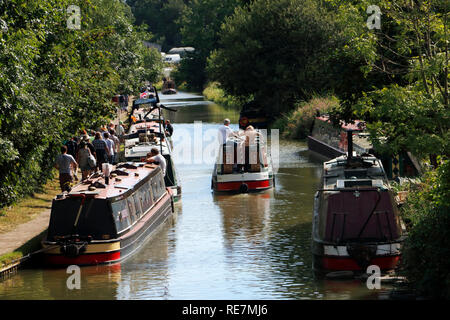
(250, 135)
(155, 157)
(64, 163)
(225, 131)
(110, 147)
(169, 128)
(152, 138)
(100, 150)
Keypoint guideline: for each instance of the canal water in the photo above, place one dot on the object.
(246, 246)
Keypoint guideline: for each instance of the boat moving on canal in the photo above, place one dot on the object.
(168, 87)
(108, 217)
(355, 219)
(240, 168)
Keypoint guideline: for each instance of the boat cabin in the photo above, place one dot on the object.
(100, 210)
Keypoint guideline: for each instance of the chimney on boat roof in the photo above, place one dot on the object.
(349, 145)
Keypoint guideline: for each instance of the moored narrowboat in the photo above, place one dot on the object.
(138, 143)
(355, 218)
(108, 217)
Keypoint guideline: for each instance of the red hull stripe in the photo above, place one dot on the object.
(235, 185)
(84, 259)
(348, 264)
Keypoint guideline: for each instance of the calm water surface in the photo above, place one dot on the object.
(247, 246)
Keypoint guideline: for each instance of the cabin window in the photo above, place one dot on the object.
(121, 215)
(137, 204)
(131, 209)
(145, 196)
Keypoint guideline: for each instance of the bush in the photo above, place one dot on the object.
(426, 251)
(298, 123)
(213, 92)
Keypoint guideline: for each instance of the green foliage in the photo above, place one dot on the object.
(426, 251)
(163, 19)
(55, 80)
(412, 49)
(201, 23)
(280, 52)
(405, 119)
(298, 123)
(213, 92)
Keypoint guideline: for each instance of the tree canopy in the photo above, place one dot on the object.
(55, 79)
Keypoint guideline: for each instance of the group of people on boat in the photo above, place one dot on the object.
(249, 134)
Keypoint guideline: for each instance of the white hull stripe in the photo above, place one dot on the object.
(382, 250)
(242, 177)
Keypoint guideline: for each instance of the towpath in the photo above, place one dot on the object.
(10, 241)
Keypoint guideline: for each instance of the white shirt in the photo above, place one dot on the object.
(110, 146)
(162, 162)
(224, 133)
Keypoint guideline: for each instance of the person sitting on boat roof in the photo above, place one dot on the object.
(152, 138)
(64, 162)
(155, 157)
(250, 135)
(225, 131)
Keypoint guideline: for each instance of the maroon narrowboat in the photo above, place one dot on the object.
(355, 220)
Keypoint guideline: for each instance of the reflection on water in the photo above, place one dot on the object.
(245, 246)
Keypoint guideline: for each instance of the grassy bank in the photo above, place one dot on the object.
(29, 207)
(214, 93)
(297, 124)
(30, 246)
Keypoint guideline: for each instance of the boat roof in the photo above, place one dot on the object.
(127, 177)
(148, 125)
(337, 174)
(134, 148)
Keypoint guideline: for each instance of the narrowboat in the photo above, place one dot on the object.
(138, 145)
(331, 141)
(355, 218)
(108, 217)
(168, 87)
(241, 169)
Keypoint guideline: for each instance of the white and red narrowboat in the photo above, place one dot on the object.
(355, 220)
(240, 168)
(107, 218)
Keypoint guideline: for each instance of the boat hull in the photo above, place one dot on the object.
(323, 148)
(169, 91)
(329, 257)
(115, 250)
(241, 183)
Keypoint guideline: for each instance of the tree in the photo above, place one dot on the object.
(201, 23)
(162, 18)
(276, 52)
(55, 80)
(411, 46)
